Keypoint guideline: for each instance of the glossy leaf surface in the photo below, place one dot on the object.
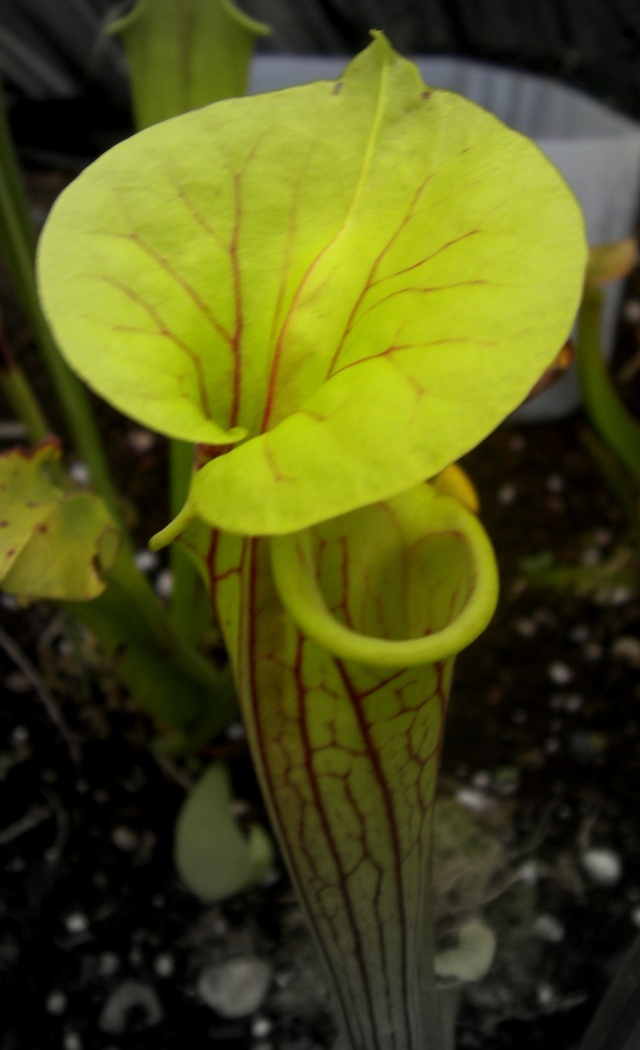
(353, 282)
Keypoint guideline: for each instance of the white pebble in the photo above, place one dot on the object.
(506, 495)
(526, 628)
(80, 473)
(164, 584)
(164, 965)
(109, 964)
(545, 994)
(76, 922)
(635, 916)
(579, 633)
(574, 702)
(593, 651)
(126, 999)
(72, 1041)
(529, 873)
(555, 483)
(261, 1027)
(603, 866)
(141, 440)
(631, 311)
(627, 648)
(146, 561)
(559, 673)
(473, 800)
(549, 929)
(124, 838)
(235, 988)
(56, 1003)
(481, 779)
(19, 735)
(620, 595)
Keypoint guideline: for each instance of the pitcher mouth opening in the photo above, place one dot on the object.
(299, 585)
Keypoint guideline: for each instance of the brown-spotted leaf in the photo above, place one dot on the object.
(53, 544)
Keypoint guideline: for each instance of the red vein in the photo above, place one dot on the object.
(335, 856)
(276, 357)
(427, 258)
(373, 270)
(236, 339)
(387, 800)
(166, 333)
(171, 272)
(421, 291)
(262, 734)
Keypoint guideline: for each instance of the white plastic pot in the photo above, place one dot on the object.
(597, 151)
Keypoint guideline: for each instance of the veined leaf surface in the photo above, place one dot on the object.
(348, 752)
(352, 282)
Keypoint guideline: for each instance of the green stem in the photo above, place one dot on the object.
(18, 392)
(189, 608)
(623, 487)
(615, 424)
(17, 241)
(447, 1010)
(173, 683)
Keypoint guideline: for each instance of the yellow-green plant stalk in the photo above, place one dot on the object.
(342, 639)
(183, 54)
(335, 291)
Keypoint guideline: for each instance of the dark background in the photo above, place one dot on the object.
(67, 87)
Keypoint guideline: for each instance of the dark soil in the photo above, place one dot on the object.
(101, 948)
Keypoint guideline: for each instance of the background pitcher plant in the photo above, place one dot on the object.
(335, 291)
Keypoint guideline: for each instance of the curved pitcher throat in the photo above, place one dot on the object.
(347, 751)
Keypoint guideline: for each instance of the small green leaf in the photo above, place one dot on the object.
(472, 957)
(182, 690)
(185, 53)
(53, 543)
(214, 857)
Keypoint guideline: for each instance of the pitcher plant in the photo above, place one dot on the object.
(335, 291)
